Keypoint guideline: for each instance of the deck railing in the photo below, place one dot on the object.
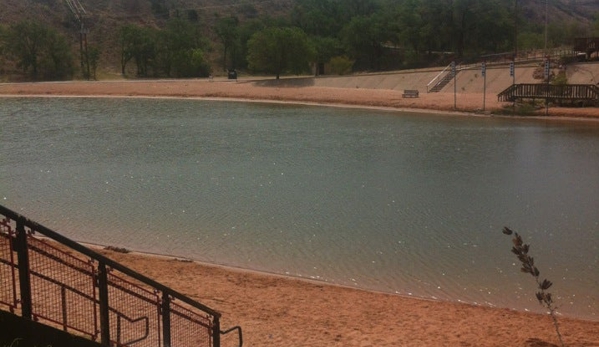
(70, 287)
(573, 92)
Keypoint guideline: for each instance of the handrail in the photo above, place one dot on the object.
(549, 91)
(506, 91)
(238, 328)
(132, 321)
(22, 242)
(109, 262)
(530, 55)
(439, 75)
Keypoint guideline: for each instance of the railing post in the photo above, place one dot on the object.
(63, 300)
(24, 278)
(216, 331)
(166, 320)
(104, 308)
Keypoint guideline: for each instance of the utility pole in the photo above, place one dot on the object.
(79, 13)
(515, 29)
(513, 64)
(546, 27)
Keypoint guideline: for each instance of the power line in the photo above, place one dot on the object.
(79, 12)
(76, 8)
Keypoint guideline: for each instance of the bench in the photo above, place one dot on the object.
(408, 93)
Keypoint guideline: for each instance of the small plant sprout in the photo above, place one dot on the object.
(521, 249)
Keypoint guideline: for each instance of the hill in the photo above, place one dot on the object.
(103, 18)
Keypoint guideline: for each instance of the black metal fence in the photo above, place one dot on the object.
(70, 287)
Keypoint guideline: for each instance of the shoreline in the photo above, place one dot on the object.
(468, 104)
(276, 310)
(110, 249)
(588, 119)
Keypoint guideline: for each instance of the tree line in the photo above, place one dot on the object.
(39, 51)
(348, 35)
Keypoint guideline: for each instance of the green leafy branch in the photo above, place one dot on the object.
(520, 249)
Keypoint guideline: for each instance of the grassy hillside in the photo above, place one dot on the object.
(104, 17)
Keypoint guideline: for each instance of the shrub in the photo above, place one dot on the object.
(561, 79)
(520, 249)
(341, 65)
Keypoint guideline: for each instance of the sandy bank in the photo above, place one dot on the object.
(292, 90)
(280, 311)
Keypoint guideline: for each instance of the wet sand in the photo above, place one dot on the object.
(280, 311)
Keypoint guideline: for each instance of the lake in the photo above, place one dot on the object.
(404, 203)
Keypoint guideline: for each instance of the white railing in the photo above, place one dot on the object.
(437, 77)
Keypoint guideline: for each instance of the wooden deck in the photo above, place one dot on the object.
(589, 45)
(569, 92)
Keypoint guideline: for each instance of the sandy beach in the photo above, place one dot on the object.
(281, 311)
(300, 90)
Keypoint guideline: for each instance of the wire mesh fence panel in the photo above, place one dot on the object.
(62, 288)
(134, 313)
(188, 328)
(62, 284)
(8, 273)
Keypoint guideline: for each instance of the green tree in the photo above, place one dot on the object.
(25, 42)
(326, 48)
(530, 40)
(125, 39)
(364, 38)
(489, 28)
(596, 25)
(318, 17)
(94, 59)
(246, 31)
(341, 65)
(39, 51)
(411, 24)
(481, 26)
(56, 59)
(2, 49)
(137, 43)
(2, 40)
(278, 50)
(437, 25)
(227, 30)
(178, 44)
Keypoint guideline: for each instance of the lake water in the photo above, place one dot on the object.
(412, 204)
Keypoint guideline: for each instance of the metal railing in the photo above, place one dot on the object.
(437, 78)
(528, 55)
(70, 287)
